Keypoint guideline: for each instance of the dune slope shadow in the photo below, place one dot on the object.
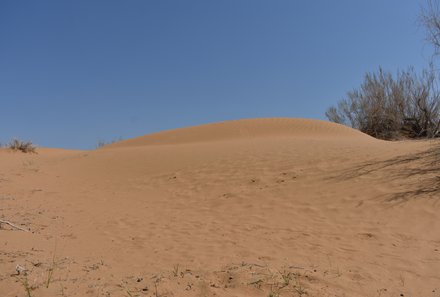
(419, 172)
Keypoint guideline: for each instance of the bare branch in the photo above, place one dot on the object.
(13, 225)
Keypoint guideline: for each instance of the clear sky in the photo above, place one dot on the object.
(76, 72)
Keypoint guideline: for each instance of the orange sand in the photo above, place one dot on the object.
(288, 207)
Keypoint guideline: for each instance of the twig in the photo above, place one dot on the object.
(252, 264)
(257, 282)
(296, 267)
(13, 225)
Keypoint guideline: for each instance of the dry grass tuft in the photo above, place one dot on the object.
(22, 146)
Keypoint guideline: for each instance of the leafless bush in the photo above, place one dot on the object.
(389, 107)
(102, 143)
(430, 19)
(22, 146)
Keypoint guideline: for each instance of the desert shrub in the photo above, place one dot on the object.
(430, 19)
(102, 143)
(389, 107)
(22, 146)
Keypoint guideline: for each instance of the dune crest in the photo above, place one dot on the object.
(245, 129)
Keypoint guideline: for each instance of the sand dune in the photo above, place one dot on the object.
(245, 129)
(288, 207)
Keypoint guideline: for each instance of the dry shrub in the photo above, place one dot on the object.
(388, 107)
(22, 146)
(430, 19)
(102, 143)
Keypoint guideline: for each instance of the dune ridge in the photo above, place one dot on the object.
(245, 129)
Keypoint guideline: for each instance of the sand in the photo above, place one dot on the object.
(260, 207)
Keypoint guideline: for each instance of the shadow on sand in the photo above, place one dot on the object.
(418, 173)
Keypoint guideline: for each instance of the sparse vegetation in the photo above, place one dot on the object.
(406, 105)
(176, 270)
(300, 289)
(102, 143)
(50, 271)
(22, 146)
(287, 276)
(27, 287)
(430, 19)
(389, 107)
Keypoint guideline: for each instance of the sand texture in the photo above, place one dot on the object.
(261, 207)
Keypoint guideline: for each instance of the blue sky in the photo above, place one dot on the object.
(76, 72)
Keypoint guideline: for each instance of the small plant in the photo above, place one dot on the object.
(50, 275)
(51, 269)
(102, 143)
(274, 292)
(155, 287)
(22, 146)
(62, 290)
(176, 270)
(27, 287)
(287, 276)
(300, 289)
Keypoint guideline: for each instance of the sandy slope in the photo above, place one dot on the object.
(242, 208)
(244, 130)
